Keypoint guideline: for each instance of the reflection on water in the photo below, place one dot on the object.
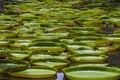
(60, 76)
(4, 77)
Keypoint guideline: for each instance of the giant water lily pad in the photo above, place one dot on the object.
(7, 33)
(52, 35)
(45, 56)
(33, 72)
(53, 63)
(19, 43)
(50, 46)
(6, 64)
(18, 55)
(110, 49)
(89, 58)
(92, 73)
(36, 54)
(3, 42)
(79, 45)
(94, 40)
(4, 26)
(84, 51)
(27, 35)
(114, 38)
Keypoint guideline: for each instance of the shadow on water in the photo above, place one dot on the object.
(114, 60)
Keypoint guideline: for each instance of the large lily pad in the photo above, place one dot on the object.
(53, 63)
(4, 43)
(7, 33)
(92, 73)
(33, 72)
(6, 64)
(79, 45)
(45, 56)
(50, 46)
(89, 58)
(84, 51)
(18, 55)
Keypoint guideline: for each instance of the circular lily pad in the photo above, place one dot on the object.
(92, 73)
(33, 72)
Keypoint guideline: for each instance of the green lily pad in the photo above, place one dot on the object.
(79, 45)
(3, 42)
(33, 72)
(92, 73)
(51, 62)
(6, 64)
(88, 58)
(7, 33)
(50, 46)
(84, 51)
(45, 56)
(18, 55)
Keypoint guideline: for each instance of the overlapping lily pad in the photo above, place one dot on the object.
(53, 63)
(18, 55)
(5, 65)
(79, 31)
